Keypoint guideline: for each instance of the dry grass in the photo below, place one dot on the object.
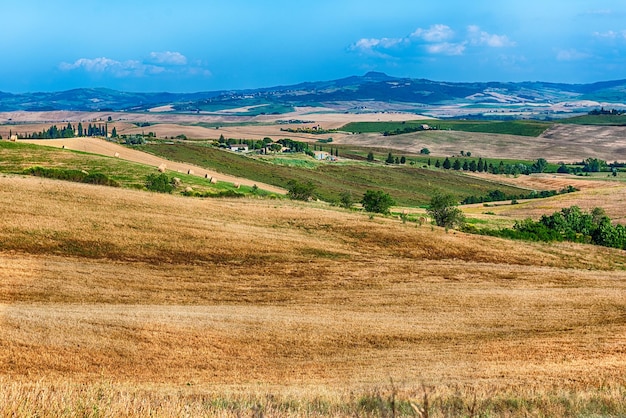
(611, 196)
(118, 302)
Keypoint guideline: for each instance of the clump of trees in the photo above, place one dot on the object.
(395, 160)
(53, 132)
(568, 224)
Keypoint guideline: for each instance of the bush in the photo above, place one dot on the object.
(71, 175)
(346, 200)
(300, 191)
(377, 201)
(159, 183)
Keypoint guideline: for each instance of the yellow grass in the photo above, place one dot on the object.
(118, 302)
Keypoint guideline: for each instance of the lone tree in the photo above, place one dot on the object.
(444, 211)
(300, 191)
(377, 201)
(346, 200)
(370, 156)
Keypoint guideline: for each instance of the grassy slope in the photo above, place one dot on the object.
(408, 185)
(175, 306)
(15, 157)
(606, 120)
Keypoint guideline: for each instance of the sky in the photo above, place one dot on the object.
(207, 45)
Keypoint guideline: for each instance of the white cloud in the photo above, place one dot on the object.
(114, 67)
(367, 44)
(600, 12)
(438, 39)
(611, 34)
(158, 63)
(571, 55)
(168, 57)
(446, 48)
(479, 37)
(436, 33)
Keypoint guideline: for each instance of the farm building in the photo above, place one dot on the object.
(239, 148)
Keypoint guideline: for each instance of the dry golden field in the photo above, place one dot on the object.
(119, 302)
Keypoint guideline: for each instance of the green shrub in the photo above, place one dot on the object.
(377, 201)
(159, 183)
(77, 176)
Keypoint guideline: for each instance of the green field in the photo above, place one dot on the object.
(380, 155)
(518, 127)
(17, 157)
(605, 120)
(408, 185)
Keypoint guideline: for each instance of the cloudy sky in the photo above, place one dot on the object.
(201, 45)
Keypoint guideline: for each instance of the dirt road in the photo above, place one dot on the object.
(99, 146)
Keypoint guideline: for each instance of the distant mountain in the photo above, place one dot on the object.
(373, 90)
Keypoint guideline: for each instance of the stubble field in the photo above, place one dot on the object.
(121, 302)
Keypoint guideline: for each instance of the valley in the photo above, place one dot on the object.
(133, 302)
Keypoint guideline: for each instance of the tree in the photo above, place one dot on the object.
(444, 211)
(346, 200)
(300, 191)
(390, 159)
(370, 156)
(396, 160)
(481, 165)
(563, 169)
(456, 165)
(593, 165)
(425, 151)
(377, 201)
(447, 164)
(403, 160)
(540, 165)
(465, 165)
(437, 164)
(114, 133)
(473, 166)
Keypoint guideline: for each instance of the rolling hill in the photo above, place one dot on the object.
(374, 91)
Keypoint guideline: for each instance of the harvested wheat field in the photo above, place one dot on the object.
(119, 302)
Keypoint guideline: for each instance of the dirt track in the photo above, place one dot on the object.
(98, 146)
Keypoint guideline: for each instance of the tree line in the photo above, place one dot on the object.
(68, 131)
(498, 195)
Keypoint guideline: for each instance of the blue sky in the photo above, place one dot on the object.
(202, 45)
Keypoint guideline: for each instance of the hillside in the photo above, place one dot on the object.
(370, 92)
(169, 305)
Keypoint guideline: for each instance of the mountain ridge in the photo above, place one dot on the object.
(370, 87)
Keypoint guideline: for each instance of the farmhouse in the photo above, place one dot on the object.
(239, 148)
(324, 156)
